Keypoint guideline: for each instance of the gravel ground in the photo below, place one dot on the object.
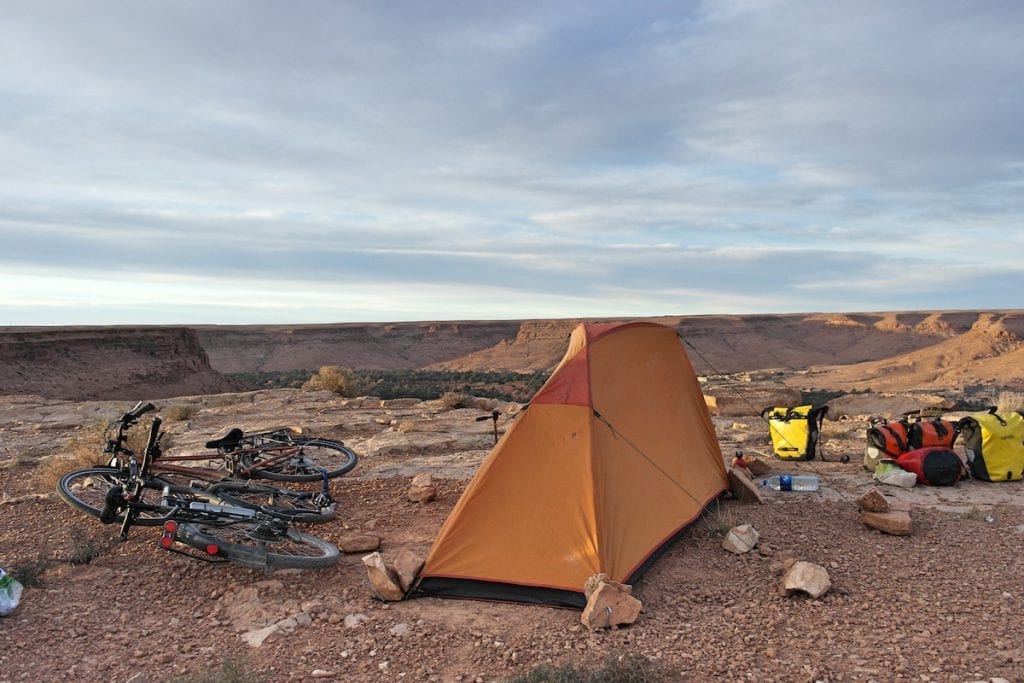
(944, 604)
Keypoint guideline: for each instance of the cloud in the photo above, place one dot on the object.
(562, 158)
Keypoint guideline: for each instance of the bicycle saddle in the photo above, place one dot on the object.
(230, 440)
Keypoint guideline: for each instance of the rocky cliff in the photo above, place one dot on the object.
(357, 345)
(888, 351)
(129, 363)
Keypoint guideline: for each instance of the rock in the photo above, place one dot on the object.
(407, 566)
(742, 487)
(873, 501)
(258, 637)
(595, 581)
(354, 620)
(399, 630)
(608, 606)
(399, 402)
(358, 543)
(894, 522)
(806, 577)
(901, 506)
(423, 479)
(322, 673)
(756, 465)
(421, 494)
(741, 539)
(383, 581)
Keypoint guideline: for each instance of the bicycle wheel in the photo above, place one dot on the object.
(86, 490)
(249, 544)
(301, 460)
(297, 506)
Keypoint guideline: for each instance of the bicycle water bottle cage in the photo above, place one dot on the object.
(229, 441)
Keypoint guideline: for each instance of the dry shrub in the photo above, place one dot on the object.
(454, 399)
(29, 572)
(338, 380)
(84, 449)
(180, 413)
(1010, 401)
(718, 519)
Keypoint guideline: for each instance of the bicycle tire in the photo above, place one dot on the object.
(86, 490)
(300, 507)
(314, 456)
(237, 543)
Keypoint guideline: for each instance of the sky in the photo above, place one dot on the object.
(248, 162)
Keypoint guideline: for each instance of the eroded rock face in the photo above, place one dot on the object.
(124, 363)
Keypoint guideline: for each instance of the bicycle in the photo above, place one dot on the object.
(279, 454)
(214, 525)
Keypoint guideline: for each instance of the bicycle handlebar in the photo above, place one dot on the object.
(138, 411)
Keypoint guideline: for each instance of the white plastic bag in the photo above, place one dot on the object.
(10, 593)
(889, 472)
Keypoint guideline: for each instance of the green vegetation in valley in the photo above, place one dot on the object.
(422, 384)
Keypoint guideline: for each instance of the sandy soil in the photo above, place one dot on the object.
(943, 604)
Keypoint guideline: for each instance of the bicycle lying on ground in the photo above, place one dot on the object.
(279, 454)
(230, 520)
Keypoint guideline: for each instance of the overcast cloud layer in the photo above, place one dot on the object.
(272, 162)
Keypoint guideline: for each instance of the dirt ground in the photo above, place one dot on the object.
(943, 604)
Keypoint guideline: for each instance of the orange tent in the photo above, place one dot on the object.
(612, 459)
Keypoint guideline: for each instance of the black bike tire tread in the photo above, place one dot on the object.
(64, 489)
(248, 556)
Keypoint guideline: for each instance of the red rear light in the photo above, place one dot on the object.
(170, 526)
(212, 549)
(166, 541)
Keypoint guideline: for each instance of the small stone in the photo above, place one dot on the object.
(609, 606)
(358, 543)
(894, 522)
(383, 580)
(407, 566)
(873, 501)
(421, 494)
(354, 620)
(806, 577)
(741, 539)
(258, 637)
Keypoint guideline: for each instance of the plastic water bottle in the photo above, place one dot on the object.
(792, 482)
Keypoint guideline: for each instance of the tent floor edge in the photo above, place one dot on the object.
(495, 591)
(670, 541)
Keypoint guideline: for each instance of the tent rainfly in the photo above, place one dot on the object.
(612, 459)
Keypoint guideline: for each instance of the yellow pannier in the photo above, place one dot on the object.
(994, 443)
(795, 431)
